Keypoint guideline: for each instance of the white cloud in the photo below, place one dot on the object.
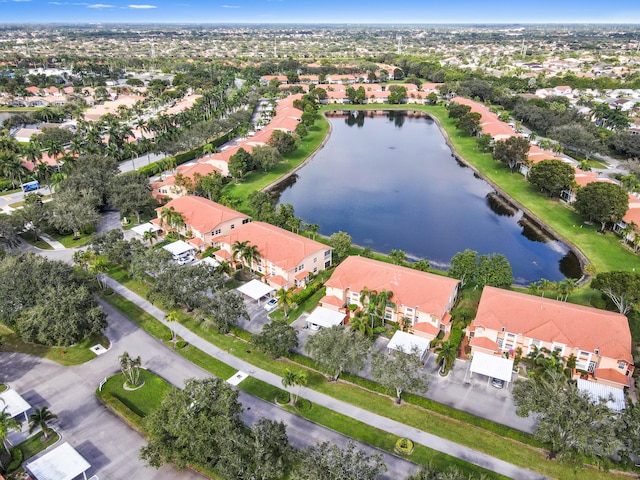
(142, 6)
(230, 6)
(21, 1)
(99, 5)
(58, 3)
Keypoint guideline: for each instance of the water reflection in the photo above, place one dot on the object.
(399, 188)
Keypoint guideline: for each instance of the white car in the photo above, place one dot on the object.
(185, 260)
(497, 383)
(271, 304)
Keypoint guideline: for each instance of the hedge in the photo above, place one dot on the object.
(302, 295)
(5, 185)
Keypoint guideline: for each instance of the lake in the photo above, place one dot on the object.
(391, 182)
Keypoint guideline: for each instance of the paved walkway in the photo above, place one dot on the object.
(365, 416)
(54, 243)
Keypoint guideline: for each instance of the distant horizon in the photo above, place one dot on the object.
(329, 12)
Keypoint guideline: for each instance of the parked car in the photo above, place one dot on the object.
(497, 383)
(271, 304)
(185, 260)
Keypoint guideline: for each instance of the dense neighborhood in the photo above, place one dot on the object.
(163, 315)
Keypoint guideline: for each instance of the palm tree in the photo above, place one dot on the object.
(237, 249)
(11, 167)
(285, 300)
(171, 217)
(361, 322)
(7, 423)
(172, 317)
(41, 418)
(224, 268)
(312, 228)
(447, 354)
(250, 255)
(130, 368)
(294, 379)
(99, 268)
(150, 236)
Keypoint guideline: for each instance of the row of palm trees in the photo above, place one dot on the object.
(562, 288)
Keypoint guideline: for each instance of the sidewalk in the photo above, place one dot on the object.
(365, 416)
(54, 243)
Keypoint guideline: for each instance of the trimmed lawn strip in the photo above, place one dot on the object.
(146, 321)
(69, 241)
(66, 356)
(469, 435)
(32, 445)
(41, 244)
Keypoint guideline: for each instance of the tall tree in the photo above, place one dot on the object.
(463, 265)
(552, 176)
(294, 379)
(348, 464)
(447, 354)
(602, 202)
(341, 242)
(338, 350)
(400, 372)
(511, 151)
(6, 423)
(276, 339)
(622, 288)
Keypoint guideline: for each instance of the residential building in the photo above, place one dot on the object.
(421, 300)
(286, 259)
(204, 220)
(173, 186)
(599, 340)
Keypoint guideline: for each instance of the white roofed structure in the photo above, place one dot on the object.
(325, 317)
(407, 342)
(256, 289)
(14, 404)
(492, 366)
(179, 249)
(61, 463)
(613, 397)
(145, 227)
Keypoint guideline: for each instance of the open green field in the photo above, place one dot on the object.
(74, 355)
(145, 399)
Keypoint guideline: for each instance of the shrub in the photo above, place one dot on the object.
(16, 459)
(181, 344)
(404, 446)
(302, 295)
(5, 185)
(283, 397)
(303, 405)
(456, 336)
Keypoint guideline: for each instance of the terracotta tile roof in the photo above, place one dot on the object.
(484, 342)
(611, 375)
(278, 280)
(301, 275)
(446, 319)
(426, 327)
(222, 254)
(188, 171)
(196, 242)
(276, 245)
(427, 292)
(201, 214)
(550, 320)
(332, 300)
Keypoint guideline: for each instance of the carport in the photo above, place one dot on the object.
(256, 290)
(492, 366)
(14, 404)
(614, 397)
(325, 318)
(407, 342)
(179, 249)
(61, 463)
(145, 227)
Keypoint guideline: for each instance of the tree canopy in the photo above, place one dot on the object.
(602, 202)
(338, 349)
(552, 176)
(622, 288)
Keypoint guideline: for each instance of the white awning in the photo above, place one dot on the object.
(406, 342)
(145, 227)
(325, 317)
(255, 289)
(492, 366)
(179, 248)
(61, 463)
(208, 261)
(597, 391)
(14, 403)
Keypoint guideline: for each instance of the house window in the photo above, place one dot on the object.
(217, 232)
(232, 226)
(509, 342)
(301, 267)
(315, 260)
(355, 295)
(327, 253)
(622, 365)
(558, 347)
(534, 343)
(246, 220)
(315, 269)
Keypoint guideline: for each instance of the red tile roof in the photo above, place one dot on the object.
(332, 300)
(427, 292)
(611, 375)
(426, 327)
(281, 247)
(575, 326)
(484, 342)
(201, 214)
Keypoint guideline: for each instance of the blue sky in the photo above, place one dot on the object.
(321, 11)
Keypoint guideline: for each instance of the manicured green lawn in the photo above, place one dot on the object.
(142, 401)
(139, 316)
(41, 244)
(69, 242)
(74, 355)
(33, 445)
(3, 387)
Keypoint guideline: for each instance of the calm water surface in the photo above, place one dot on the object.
(391, 182)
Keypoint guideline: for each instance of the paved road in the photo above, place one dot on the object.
(352, 411)
(104, 440)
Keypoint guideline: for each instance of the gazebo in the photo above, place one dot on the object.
(61, 463)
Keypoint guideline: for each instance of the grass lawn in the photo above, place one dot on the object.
(3, 387)
(41, 244)
(148, 323)
(69, 241)
(142, 401)
(257, 180)
(33, 445)
(74, 355)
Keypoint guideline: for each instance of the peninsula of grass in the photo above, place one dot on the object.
(34, 445)
(41, 244)
(483, 435)
(66, 356)
(142, 401)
